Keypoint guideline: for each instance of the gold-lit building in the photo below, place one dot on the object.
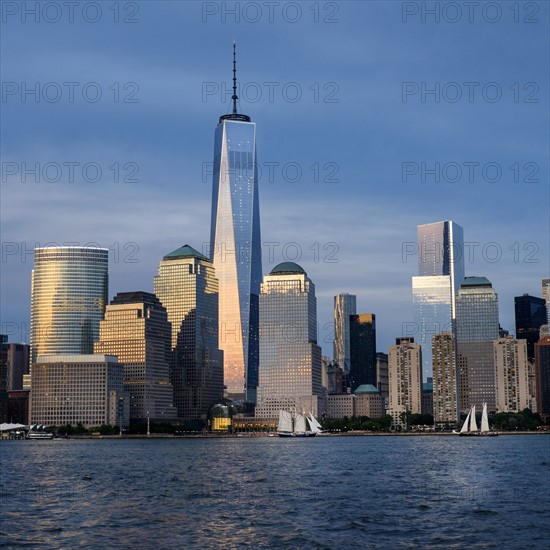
(188, 289)
(68, 298)
(511, 374)
(137, 331)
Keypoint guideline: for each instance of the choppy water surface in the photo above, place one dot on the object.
(333, 492)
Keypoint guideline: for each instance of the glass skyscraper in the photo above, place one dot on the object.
(440, 270)
(187, 287)
(476, 327)
(362, 329)
(290, 359)
(235, 249)
(344, 305)
(531, 314)
(68, 298)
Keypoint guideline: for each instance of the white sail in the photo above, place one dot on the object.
(484, 419)
(315, 427)
(300, 425)
(473, 423)
(285, 422)
(466, 424)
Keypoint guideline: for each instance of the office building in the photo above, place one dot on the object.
(530, 317)
(382, 374)
(187, 287)
(344, 305)
(362, 350)
(68, 299)
(440, 272)
(18, 365)
(476, 327)
(445, 393)
(235, 248)
(290, 359)
(137, 331)
(78, 389)
(405, 380)
(542, 376)
(511, 374)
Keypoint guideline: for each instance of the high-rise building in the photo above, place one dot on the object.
(78, 389)
(512, 381)
(3, 378)
(137, 331)
(362, 329)
(290, 359)
(546, 296)
(476, 327)
(68, 299)
(235, 248)
(405, 380)
(445, 407)
(382, 374)
(344, 305)
(542, 375)
(530, 317)
(187, 287)
(440, 270)
(18, 365)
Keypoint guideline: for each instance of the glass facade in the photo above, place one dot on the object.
(344, 305)
(362, 330)
(477, 326)
(68, 299)
(433, 312)
(531, 314)
(290, 359)
(187, 287)
(235, 250)
(137, 331)
(440, 254)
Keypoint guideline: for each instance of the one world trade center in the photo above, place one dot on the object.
(235, 248)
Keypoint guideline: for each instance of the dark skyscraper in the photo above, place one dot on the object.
(530, 316)
(235, 248)
(362, 329)
(542, 373)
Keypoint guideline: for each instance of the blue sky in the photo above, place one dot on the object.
(352, 129)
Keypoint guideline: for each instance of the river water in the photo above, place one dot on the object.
(323, 492)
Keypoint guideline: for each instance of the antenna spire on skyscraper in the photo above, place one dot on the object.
(234, 98)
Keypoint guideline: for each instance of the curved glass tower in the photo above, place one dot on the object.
(235, 248)
(68, 298)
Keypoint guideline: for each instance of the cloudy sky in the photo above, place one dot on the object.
(372, 118)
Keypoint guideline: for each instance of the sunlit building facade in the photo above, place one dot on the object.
(78, 389)
(344, 305)
(187, 287)
(405, 380)
(235, 248)
(68, 299)
(477, 326)
(290, 375)
(137, 331)
(511, 375)
(440, 272)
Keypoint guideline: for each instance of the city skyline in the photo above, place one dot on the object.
(374, 263)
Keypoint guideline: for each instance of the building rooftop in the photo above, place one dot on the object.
(135, 297)
(287, 268)
(366, 388)
(185, 251)
(475, 281)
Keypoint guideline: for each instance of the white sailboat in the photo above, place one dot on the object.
(297, 425)
(469, 428)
